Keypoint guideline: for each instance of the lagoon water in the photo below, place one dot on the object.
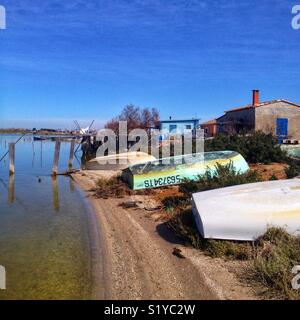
(44, 233)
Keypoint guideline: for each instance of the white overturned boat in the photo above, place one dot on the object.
(245, 212)
(119, 161)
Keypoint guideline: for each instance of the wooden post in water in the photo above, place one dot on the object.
(70, 163)
(56, 158)
(11, 158)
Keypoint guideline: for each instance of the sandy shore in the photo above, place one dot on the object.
(137, 260)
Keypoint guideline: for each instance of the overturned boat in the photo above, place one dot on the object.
(174, 170)
(245, 212)
(118, 161)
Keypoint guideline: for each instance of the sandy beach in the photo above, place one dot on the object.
(137, 260)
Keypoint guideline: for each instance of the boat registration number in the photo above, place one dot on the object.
(151, 183)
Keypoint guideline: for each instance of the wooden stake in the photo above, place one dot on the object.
(11, 158)
(56, 158)
(70, 164)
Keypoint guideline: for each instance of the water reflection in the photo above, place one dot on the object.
(11, 194)
(72, 185)
(55, 192)
(41, 154)
(11, 189)
(33, 154)
(37, 245)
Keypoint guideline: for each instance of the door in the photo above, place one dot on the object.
(282, 129)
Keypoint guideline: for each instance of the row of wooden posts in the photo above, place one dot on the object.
(55, 161)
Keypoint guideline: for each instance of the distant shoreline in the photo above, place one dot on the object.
(14, 131)
(38, 132)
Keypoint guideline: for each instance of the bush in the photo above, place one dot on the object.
(277, 253)
(183, 224)
(224, 176)
(111, 188)
(175, 202)
(293, 170)
(257, 147)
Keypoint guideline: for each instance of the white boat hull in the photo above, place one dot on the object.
(119, 161)
(245, 212)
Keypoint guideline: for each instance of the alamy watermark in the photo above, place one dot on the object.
(2, 278)
(296, 18)
(296, 279)
(2, 17)
(177, 144)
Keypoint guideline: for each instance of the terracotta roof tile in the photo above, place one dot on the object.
(213, 121)
(249, 106)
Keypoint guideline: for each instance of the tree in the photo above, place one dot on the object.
(136, 118)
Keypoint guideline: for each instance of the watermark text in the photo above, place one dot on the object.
(169, 147)
(296, 279)
(296, 18)
(2, 17)
(2, 278)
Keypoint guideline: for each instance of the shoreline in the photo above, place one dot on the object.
(137, 260)
(99, 288)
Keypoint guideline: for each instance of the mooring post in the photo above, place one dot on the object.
(70, 163)
(11, 158)
(56, 158)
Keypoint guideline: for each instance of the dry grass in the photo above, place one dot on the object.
(277, 252)
(116, 188)
(270, 171)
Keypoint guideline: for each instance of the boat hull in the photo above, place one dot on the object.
(245, 212)
(157, 174)
(118, 162)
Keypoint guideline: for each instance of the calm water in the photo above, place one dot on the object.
(44, 234)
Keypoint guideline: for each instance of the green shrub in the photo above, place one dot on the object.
(293, 170)
(257, 147)
(175, 202)
(223, 176)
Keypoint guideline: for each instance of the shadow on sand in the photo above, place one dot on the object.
(164, 231)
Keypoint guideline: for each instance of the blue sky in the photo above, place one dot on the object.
(75, 59)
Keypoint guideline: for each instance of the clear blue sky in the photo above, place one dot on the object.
(73, 59)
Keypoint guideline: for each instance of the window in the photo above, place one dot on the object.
(173, 128)
(188, 127)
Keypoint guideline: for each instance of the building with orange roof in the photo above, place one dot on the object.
(278, 117)
(210, 128)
